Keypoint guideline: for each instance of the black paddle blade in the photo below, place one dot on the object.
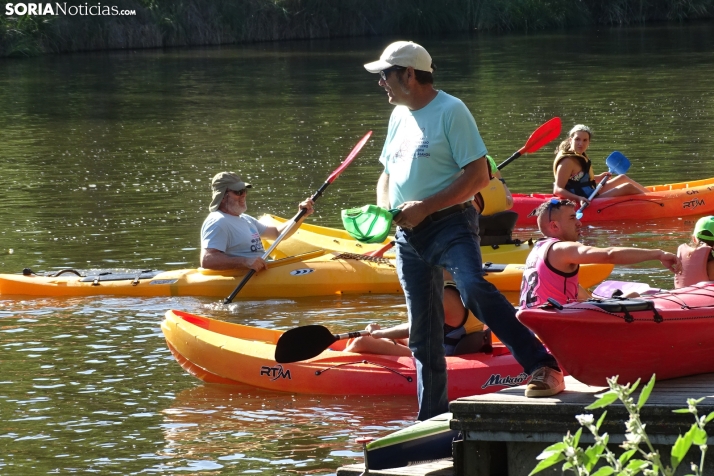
(302, 343)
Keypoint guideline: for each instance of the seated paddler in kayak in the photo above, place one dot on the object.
(574, 176)
(230, 239)
(697, 257)
(463, 332)
(551, 269)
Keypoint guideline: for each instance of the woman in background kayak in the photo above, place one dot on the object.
(574, 177)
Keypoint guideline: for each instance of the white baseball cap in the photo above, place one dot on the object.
(402, 53)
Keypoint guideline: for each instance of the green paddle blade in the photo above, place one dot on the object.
(368, 224)
(302, 343)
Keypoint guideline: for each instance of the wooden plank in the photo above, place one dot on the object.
(509, 416)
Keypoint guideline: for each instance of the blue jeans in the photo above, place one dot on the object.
(453, 244)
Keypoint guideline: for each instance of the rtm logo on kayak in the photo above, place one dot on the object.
(300, 272)
(275, 372)
(495, 380)
(697, 202)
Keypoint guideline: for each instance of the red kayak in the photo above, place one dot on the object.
(670, 200)
(670, 334)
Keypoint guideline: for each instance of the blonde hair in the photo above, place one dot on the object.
(565, 145)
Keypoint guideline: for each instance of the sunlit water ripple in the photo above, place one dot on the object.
(106, 160)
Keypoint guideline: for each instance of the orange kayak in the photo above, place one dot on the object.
(670, 200)
(221, 352)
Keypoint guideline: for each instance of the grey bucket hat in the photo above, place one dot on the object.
(223, 181)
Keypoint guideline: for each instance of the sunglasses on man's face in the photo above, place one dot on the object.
(239, 193)
(384, 74)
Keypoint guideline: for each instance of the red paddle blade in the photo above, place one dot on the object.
(380, 252)
(544, 134)
(349, 158)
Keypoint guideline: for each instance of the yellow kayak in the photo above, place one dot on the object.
(313, 237)
(319, 273)
(313, 274)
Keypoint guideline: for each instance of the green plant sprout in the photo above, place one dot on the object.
(639, 455)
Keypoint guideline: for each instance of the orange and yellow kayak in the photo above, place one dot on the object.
(225, 353)
(670, 200)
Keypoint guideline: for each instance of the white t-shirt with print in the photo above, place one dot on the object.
(233, 235)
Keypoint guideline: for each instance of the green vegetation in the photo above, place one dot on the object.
(634, 459)
(160, 23)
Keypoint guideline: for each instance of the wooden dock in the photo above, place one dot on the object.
(503, 432)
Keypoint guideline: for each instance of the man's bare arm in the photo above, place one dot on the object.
(383, 191)
(212, 258)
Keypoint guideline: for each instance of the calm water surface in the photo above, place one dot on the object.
(105, 162)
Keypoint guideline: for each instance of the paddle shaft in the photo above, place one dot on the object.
(540, 137)
(380, 252)
(336, 173)
(277, 241)
(349, 335)
(622, 166)
(592, 196)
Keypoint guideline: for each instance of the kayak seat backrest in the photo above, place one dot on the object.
(120, 276)
(497, 229)
(496, 240)
(501, 223)
(623, 305)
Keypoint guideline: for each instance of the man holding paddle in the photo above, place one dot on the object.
(434, 163)
(553, 264)
(230, 239)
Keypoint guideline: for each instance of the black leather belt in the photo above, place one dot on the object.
(441, 214)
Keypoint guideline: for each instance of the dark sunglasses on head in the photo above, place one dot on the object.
(238, 193)
(384, 74)
(556, 203)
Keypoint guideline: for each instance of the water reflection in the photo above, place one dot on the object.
(261, 430)
(106, 160)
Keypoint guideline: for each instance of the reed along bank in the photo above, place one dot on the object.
(31, 29)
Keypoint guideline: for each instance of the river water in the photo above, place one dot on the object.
(106, 160)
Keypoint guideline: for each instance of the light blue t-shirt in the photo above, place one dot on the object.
(233, 235)
(426, 149)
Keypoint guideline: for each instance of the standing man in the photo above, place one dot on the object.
(230, 239)
(434, 163)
